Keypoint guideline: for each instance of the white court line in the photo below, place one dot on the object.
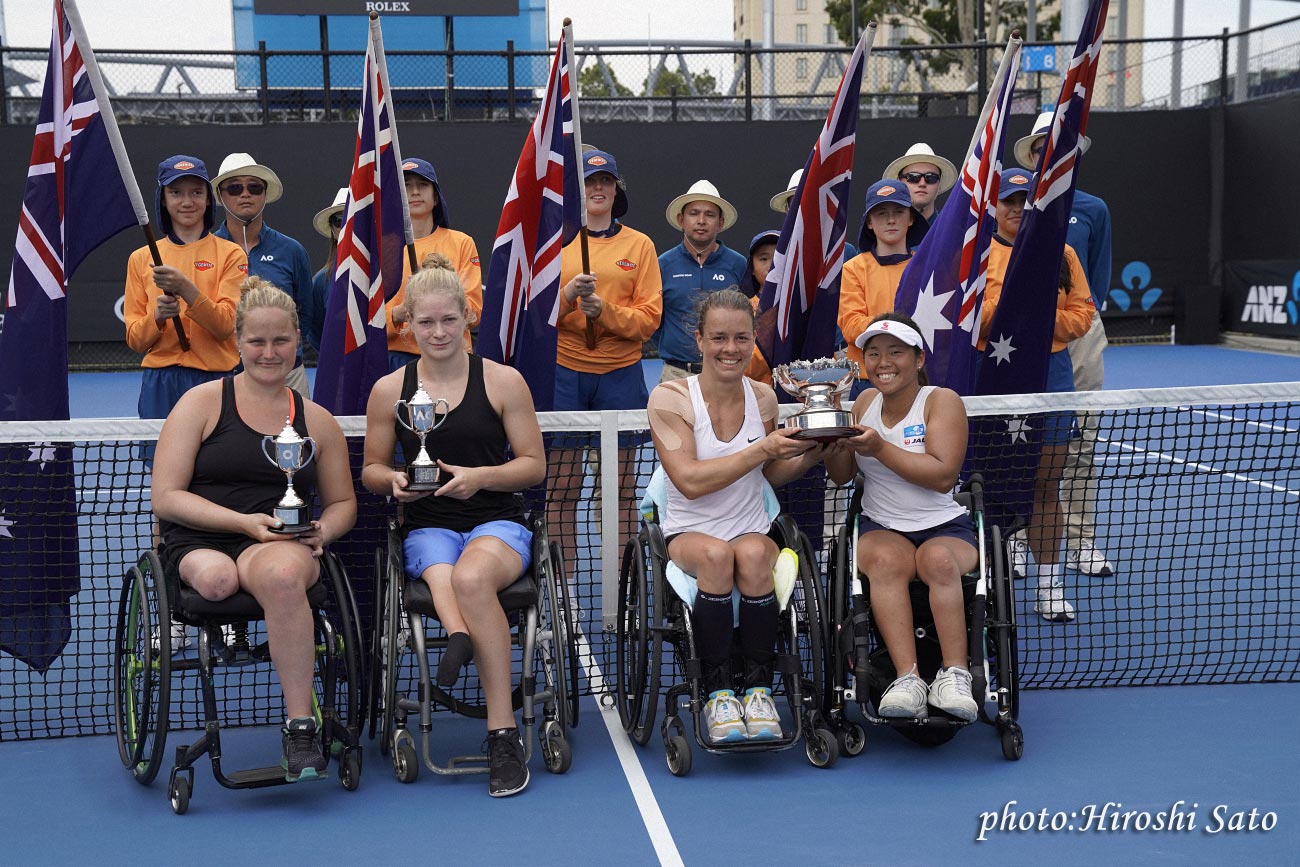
(1229, 417)
(1207, 468)
(651, 816)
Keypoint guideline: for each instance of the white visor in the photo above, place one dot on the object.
(903, 332)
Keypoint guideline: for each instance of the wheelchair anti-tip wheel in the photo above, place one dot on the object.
(142, 669)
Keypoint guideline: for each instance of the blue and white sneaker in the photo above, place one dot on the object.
(724, 717)
(761, 721)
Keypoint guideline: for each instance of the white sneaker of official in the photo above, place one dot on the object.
(1088, 560)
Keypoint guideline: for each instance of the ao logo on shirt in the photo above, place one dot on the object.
(913, 434)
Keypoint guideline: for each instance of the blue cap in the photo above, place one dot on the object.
(896, 192)
(173, 169)
(767, 236)
(749, 285)
(1014, 181)
(424, 169)
(594, 161)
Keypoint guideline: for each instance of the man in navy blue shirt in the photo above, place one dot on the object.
(1089, 235)
(698, 265)
(245, 189)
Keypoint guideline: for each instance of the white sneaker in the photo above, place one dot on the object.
(951, 693)
(1052, 604)
(1018, 547)
(761, 721)
(905, 698)
(180, 635)
(724, 717)
(1088, 560)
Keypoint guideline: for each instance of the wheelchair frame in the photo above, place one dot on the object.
(543, 633)
(143, 667)
(990, 630)
(651, 615)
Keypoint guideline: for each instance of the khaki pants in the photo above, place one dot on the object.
(672, 371)
(1079, 481)
(297, 380)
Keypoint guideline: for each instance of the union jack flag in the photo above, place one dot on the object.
(368, 270)
(942, 288)
(80, 192)
(543, 212)
(799, 302)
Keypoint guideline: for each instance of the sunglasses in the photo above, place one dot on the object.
(238, 189)
(336, 221)
(917, 177)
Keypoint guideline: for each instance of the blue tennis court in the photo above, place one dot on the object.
(1207, 762)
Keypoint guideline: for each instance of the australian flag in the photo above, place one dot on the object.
(80, 192)
(368, 270)
(1020, 335)
(542, 213)
(799, 302)
(942, 288)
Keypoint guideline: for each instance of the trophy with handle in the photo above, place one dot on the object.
(819, 384)
(422, 417)
(290, 453)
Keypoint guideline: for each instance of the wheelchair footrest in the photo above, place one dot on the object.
(256, 776)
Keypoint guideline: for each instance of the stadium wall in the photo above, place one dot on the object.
(1141, 162)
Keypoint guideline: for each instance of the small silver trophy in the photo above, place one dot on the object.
(819, 384)
(291, 453)
(422, 411)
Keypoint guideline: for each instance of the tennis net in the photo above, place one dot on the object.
(1197, 507)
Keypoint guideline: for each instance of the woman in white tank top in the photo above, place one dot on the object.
(910, 450)
(717, 439)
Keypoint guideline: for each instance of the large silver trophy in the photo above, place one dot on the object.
(291, 453)
(819, 384)
(422, 418)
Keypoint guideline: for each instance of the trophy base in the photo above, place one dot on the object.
(423, 478)
(823, 426)
(294, 520)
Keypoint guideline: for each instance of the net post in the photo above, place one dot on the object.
(609, 506)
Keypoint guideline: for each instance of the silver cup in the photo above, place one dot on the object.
(291, 453)
(422, 418)
(819, 384)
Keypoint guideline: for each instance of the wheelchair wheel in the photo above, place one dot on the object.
(852, 739)
(390, 626)
(809, 643)
(348, 681)
(661, 603)
(1013, 742)
(375, 684)
(677, 751)
(142, 669)
(556, 752)
(630, 652)
(564, 630)
(821, 747)
(1004, 639)
(552, 656)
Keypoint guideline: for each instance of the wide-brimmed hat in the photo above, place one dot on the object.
(1042, 126)
(424, 168)
(781, 201)
(235, 165)
(1014, 181)
(700, 191)
(322, 219)
(891, 191)
(597, 160)
(173, 169)
(923, 153)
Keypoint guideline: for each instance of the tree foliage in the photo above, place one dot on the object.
(704, 82)
(592, 82)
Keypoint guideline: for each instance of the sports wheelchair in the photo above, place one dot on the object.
(653, 618)
(860, 669)
(152, 598)
(537, 605)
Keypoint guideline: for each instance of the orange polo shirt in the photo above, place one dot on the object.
(460, 249)
(867, 289)
(1074, 309)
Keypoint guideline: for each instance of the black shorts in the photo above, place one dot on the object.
(961, 527)
(182, 541)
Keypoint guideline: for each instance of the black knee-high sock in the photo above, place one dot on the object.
(759, 617)
(712, 620)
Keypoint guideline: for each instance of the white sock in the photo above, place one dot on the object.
(1049, 575)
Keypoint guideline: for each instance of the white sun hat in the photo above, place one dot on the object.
(243, 164)
(701, 191)
(923, 153)
(781, 201)
(1042, 126)
(322, 219)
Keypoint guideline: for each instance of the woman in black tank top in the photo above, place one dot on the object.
(214, 491)
(467, 539)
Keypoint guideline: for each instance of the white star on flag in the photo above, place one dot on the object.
(929, 315)
(5, 524)
(1002, 349)
(1018, 429)
(41, 452)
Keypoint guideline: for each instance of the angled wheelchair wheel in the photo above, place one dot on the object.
(345, 668)
(565, 632)
(142, 669)
(1004, 634)
(659, 604)
(808, 602)
(552, 655)
(390, 629)
(630, 652)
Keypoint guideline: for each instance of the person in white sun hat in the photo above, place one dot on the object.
(927, 175)
(245, 188)
(1089, 234)
(700, 264)
(328, 222)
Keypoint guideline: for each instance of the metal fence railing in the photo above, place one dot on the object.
(677, 82)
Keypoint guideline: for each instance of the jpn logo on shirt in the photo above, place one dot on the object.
(914, 434)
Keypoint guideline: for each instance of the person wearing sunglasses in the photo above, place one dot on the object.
(328, 222)
(927, 176)
(245, 188)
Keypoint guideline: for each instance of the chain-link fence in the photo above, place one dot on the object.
(730, 81)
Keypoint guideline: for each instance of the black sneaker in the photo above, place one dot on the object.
(507, 772)
(303, 758)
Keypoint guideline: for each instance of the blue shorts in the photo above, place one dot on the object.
(398, 360)
(961, 527)
(616, 389)
(432, 546)
(1059, 427)
(161, 387)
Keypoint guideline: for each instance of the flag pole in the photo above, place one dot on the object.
(408, 234)
(566, 34)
